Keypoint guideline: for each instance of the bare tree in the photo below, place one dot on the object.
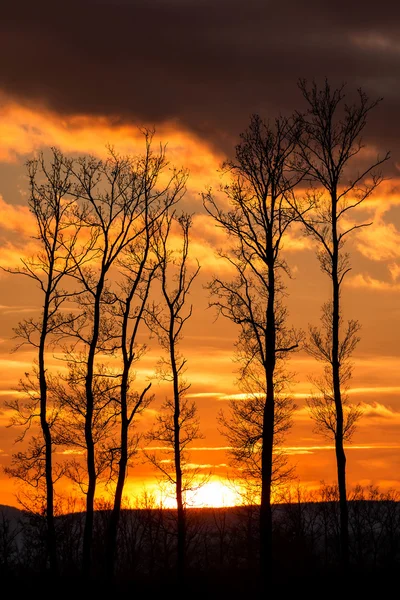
(58, 228)
(256, 222)
(177, 423)
(138, 271)
(330, 150)
(116, 193)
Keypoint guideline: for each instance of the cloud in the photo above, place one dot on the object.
(377, 411)
(394, 270)
(305, 395)
(367, 281)
(16, 218)
(29, 129)
(373, 408)
(295, 450)
(204, 395)
(12, 254)
(375, 390)
(194, 466)
(379, 242)
(372, 413)
(193, 449)
(202, 65)
(6, 310)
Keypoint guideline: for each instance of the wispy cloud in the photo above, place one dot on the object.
(204, 395)
(194, 449)
(16, 218)
(374, 411)
(17, 309)
(379, 242)
(377, 411)
(312, 449)
(367, 281)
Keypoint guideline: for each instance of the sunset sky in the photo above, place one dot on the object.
(91, 74)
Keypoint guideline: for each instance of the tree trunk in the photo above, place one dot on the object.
(339, 447)
(51, 533)
(266, 485)
(111, 547)
(128, 355)
(90, 449)
(266, 554)
(181, 537)
(91, 467)
(181, 513)
(344, 516)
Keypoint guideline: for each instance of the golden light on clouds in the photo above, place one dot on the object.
(380, 241)
(26, 130)
(208, 343)
(17, 219)
(366, 281)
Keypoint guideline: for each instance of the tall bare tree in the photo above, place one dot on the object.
(117, 193)
(58, 229)
(138, 267)
(330, 149)
(256, 222)
(177, 423)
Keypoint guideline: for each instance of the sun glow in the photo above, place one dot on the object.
(214, 493)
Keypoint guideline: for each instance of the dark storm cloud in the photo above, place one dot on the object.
(207, 64)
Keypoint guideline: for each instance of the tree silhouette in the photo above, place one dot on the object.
(58, 230)
(256, 222)
(138, 265)
(328, 148)
(115, 194)
(177, 424)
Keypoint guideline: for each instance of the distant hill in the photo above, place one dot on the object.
(222, 543)
(10, 512)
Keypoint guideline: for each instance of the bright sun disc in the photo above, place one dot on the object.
(211, 494)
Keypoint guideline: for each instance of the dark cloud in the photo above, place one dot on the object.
(206, 64)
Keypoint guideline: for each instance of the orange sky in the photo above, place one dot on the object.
(371, 295)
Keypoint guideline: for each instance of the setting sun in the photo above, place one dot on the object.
(215, 493)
